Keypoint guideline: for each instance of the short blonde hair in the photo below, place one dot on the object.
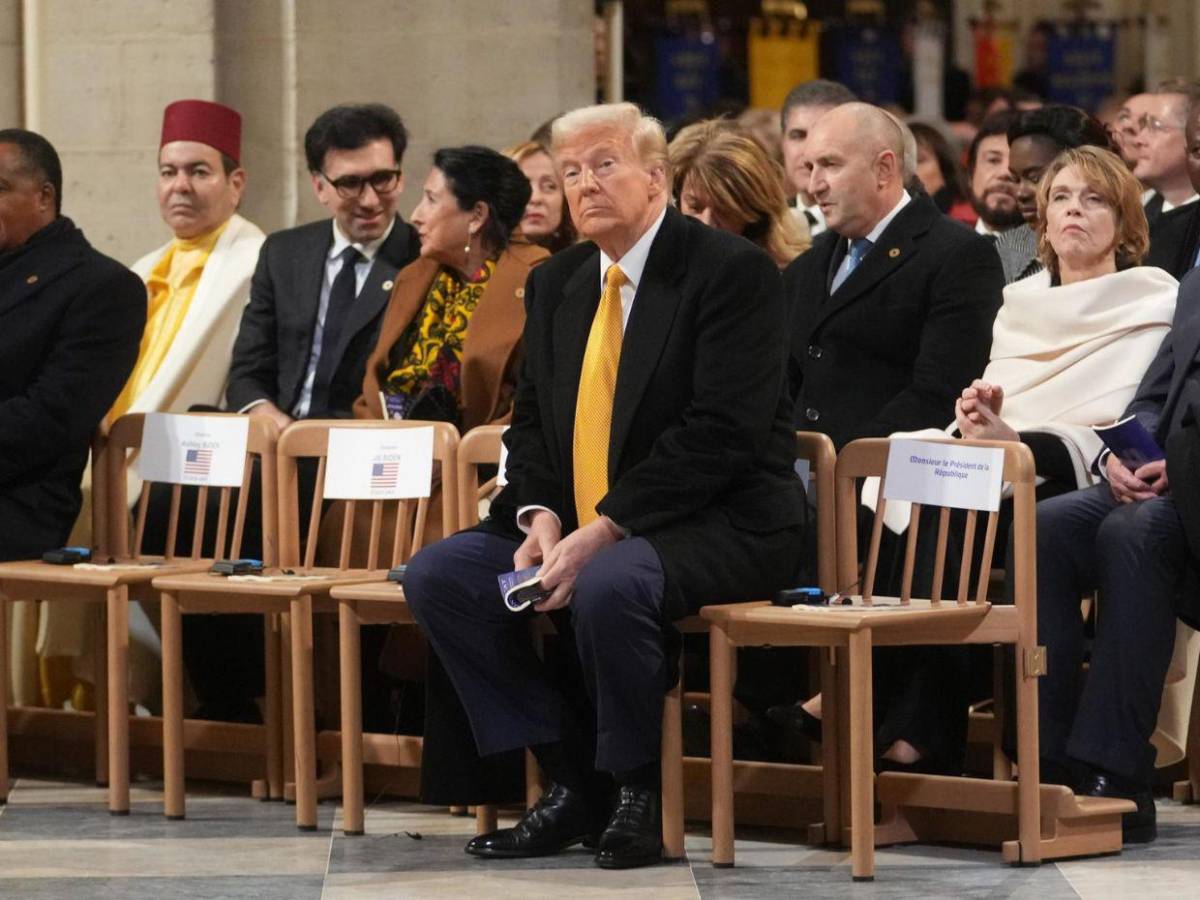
(646, 132)
(741, 181)
(1109, 177)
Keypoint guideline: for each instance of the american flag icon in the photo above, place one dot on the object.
(197, 463)
(384, 475)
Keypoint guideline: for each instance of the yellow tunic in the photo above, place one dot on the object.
(170, 286)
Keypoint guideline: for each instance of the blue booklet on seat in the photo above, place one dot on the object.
(1129, 440)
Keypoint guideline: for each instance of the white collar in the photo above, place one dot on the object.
(1168, 205)
(981, 227)
(341, 242)
(873, 235)
(633, 263)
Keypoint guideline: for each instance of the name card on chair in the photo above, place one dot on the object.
(202, 450)
(379, 463)
(948, 474)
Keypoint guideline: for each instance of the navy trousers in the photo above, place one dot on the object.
(617, 624)
(1135, 554)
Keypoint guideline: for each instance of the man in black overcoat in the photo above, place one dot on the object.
(650, 471)
(71, 320)
(1175, 235)
(892, 318)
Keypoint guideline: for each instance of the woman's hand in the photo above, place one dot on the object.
(978, 421)
(980, 395)
(563, 564)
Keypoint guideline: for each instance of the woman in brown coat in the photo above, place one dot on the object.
(449, 350)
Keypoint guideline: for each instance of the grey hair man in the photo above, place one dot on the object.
(804, 104)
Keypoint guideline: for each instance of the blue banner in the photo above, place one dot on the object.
(868, 62)
(1082, 67)
(687, 76)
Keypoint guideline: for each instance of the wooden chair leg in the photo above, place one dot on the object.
(303, 715)
(862, 759)
(4, 657)
(287, 706)
(1002, 769)
(349, 656)
(485, 819)
(172, 713)
(1029, 826)
(831, 770)
(533, 780)
(721, 713)
(118, 701)
(100, 682)
(672, 772)
(273, 714)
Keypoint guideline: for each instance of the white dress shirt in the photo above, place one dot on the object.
(632, 265)
(333, 266)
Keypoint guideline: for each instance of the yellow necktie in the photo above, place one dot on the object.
(593, 405)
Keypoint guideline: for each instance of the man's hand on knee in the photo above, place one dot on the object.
(545, 531)
(563, 564)
(1126, 486)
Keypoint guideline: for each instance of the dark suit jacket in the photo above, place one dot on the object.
(270, 355)
(701, 441)
(1174, 240)
(71, 321)
(907, 331)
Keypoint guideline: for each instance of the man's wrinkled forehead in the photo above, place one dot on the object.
(589, 142)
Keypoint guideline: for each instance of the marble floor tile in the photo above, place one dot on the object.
(654, 883)
(124, 888)
(186, 857)
(1122, 878)
(399, 852)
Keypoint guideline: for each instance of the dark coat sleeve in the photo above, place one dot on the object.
(955, 342)
(725, 427)
(95, 350)
(254, 368)
(533, 479)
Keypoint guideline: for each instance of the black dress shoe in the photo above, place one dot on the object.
(1137, 827)
(560, 819)
(795, 719)
(634, 833)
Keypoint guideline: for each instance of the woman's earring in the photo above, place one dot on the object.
(467, 249)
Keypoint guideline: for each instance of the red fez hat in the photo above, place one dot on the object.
(207, 123)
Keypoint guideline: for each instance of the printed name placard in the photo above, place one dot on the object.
(205, 450)
(945, 474)
(502, 473)
(379, 463)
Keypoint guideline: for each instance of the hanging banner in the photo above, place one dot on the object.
(993, 55)
(780, 59)
(929, 65)
(868, 62)
(1082, 67)
(687, 76)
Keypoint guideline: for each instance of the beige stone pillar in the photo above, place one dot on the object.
(10, 64)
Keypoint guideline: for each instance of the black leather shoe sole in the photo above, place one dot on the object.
(631, 860)
(526, 851)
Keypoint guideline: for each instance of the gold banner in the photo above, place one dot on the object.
(780, 58)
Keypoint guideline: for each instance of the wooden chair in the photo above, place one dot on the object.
(1032, 823)
(817, 450)
(291, 590)
(121, 572)
(382, 603)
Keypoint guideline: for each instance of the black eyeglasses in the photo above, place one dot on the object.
(349, 187)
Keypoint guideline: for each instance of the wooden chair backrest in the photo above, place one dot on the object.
(100, 499)
(822, 458)
(126, 435)
(868, 458)
(480, 447)
(310, 439)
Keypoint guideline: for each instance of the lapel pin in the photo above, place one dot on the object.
(32, 279)
(894, 252)
(388, 285)
(520, 293)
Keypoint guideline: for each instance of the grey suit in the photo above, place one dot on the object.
(270, 356)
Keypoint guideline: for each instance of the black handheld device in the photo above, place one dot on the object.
(808, 596)
(67, 556)
(237, 567)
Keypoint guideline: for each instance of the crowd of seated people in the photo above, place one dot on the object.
(653, 321)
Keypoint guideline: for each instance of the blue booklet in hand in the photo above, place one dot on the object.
(522, 588)
(1130, 442)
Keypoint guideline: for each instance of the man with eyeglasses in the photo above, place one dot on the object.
(1159, 150)
(1175, 237)
(320, 289)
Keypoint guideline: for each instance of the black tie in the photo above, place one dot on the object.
(341, 298)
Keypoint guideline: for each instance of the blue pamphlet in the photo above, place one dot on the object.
(1130, 442)
(522, 588)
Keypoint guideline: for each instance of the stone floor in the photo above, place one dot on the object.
(58, 841)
